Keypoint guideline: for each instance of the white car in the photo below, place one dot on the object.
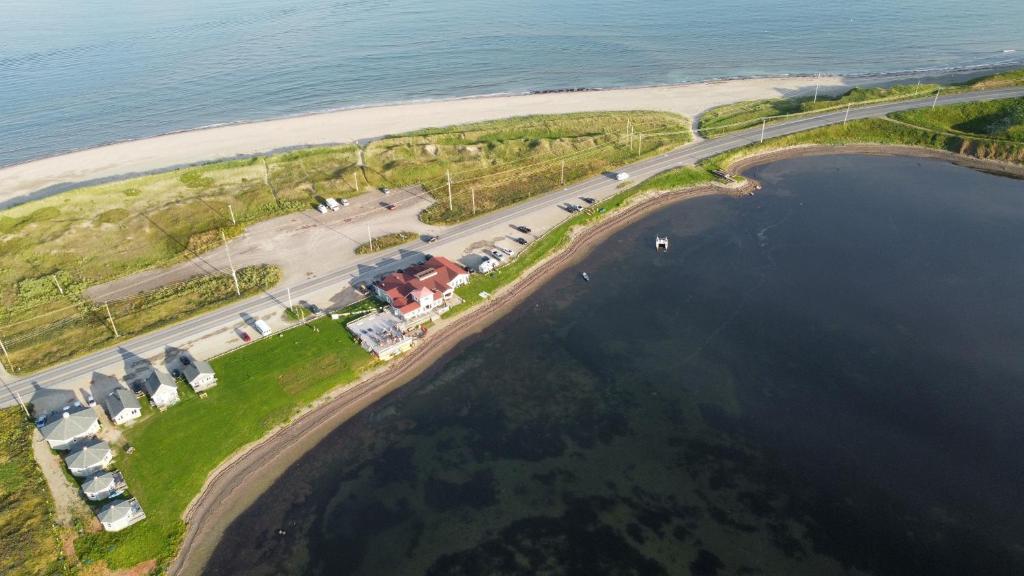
(622, 176)
(498, 255)
(506, 250)
(344, 201)
(321, 208)
(332, 204)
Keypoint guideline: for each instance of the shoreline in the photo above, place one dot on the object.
(239, 481)
(39, 178)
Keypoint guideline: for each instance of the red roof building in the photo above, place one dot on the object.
(421, 289)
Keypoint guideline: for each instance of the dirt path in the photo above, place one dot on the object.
(67, 502)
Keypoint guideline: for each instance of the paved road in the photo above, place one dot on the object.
(373, 265)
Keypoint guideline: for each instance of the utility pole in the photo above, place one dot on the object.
(22, 402)
(355, 178)
(563, 172)
(7, 356)
(847, 117)
(111, 318)
(817, 83)
(290, 307)
(764, 122)
(639, 144)
(936, 100)
(232, 211)
(448, 173)
(57, 282)
(369, 236)
(472, 194)
(238, 291)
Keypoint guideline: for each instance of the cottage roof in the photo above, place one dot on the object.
(118, 511)
(99, 483)
(197, 368)
(121, 399)
(71, 425)
(88, 456)
(157, 380)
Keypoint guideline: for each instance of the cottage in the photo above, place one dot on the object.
(200, 375)
(65, 432)
(103, 486)
(119, 515)
(162, 389)
(89, 459)
(421, 290)
(123, 406)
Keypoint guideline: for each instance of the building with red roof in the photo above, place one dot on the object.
(422, 289)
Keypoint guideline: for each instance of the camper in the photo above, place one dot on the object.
(262, 327)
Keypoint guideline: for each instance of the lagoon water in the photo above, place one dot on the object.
(825, 378)
(80, 74)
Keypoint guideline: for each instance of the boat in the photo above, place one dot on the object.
(586, 276)
(661, 243)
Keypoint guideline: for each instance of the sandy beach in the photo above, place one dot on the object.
(58, 173)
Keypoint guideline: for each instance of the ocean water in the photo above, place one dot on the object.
(81, 74)
(821, 379)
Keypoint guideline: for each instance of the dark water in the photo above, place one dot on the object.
(79, 74)
(827, 378)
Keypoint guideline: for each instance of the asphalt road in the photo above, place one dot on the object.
(373, 265)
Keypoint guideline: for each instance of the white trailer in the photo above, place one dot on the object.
(262, 327)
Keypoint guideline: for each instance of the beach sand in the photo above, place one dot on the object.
(58, 173)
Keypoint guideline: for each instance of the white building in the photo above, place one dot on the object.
(422, 290)
(89, 459)
(119, 515)
(65, 432)
(200, 375)
(103, 486)
(123, 406)
(162, 389)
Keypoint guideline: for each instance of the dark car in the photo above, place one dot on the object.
(391, 206)
(523, 229)
(520, 241)
(246, 337)
(313, 309)
(588, 199)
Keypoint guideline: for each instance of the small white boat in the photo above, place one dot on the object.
(661, 243)
(586, 277)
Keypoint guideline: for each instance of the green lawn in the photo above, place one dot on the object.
(29, 539)
(996, 119)
(260, 386)
(737, 116)
(384, 242)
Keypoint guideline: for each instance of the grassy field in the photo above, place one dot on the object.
(998, 119)
(29, 539)
(384, 242)
(740, 115)
(260, 386)
(77, 326)
(92, 235)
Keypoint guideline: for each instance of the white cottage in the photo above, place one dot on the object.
(123, 406)
(200, 375)
(63, 433)
(161, 388)
(103, 486)
(89, 459)
(119, 515)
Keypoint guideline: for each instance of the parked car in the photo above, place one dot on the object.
(245, 336)
(391, 206)
(498, 255)
(332, 204)
(185, 360)
(89, 399)
(523, 229)
(41, 421)
(386, 190)
(344, 202)
(521, 241)
(262, 327)
(321, 208)
(362, 288)
(588, 199)
(313, 309)
(175, 373)
(506, 250)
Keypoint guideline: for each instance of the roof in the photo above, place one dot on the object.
(99, 483)
(432, 277)
(157, 380)
(196, 368)
(121, 399)
(88, 456)
(70, 426)
(120, 510)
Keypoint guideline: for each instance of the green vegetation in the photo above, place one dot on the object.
(81, 326)
(92, 235)
(740, 115)
(996, 119)
(384, 242)
(260, 386)
(29, 538)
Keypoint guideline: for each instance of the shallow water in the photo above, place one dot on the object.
(822, 379)
(80, 74)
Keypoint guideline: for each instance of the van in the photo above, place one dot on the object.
(262, 327)
(332, 204)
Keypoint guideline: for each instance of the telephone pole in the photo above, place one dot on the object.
(238, 291)
(563, 172)
(449, 175)
(472, 194)
(764, 122)
(639, 144)
(290, 306)
(22, 402)
(111, 318)
(232, 211)
(817, 83)
(847, 117)
(57, 282)
(936, 100)
(355, 178)
(7, 356)
(369, 236)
